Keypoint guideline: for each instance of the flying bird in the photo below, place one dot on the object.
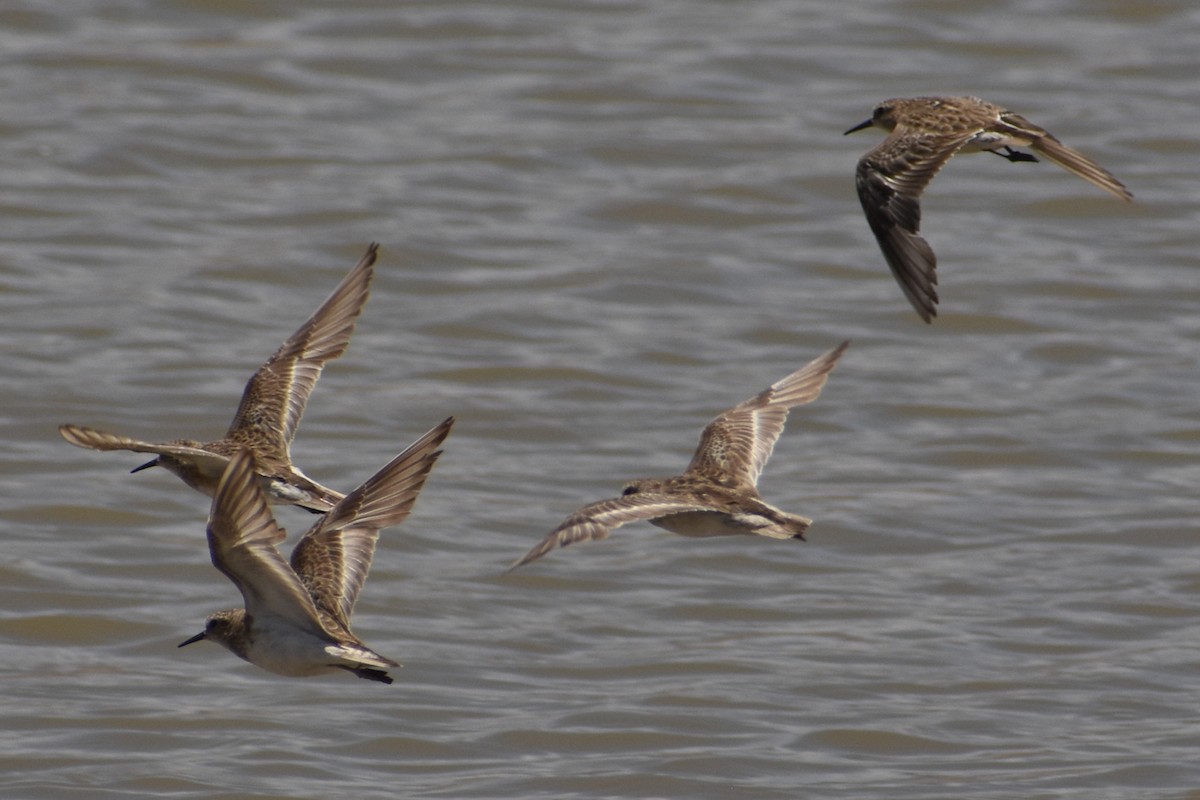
(296, 616)
(270, 410)
(923, 133)
(717, 494)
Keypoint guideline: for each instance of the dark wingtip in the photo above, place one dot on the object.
(151, 463)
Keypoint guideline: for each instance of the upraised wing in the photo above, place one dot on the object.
(275, 398)
(333, 558)
(736, 445)
(243, 541)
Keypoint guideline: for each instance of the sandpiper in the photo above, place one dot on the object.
(717, 494)
(270, 410)
(924, 132)
(296, 619)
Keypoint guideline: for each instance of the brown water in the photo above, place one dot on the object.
(602, 223)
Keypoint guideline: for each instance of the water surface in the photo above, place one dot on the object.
(602, 223)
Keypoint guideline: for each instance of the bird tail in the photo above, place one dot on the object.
(791, 526)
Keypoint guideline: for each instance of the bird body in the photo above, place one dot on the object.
(717, 494)
(270, 409)
(923, 134)
(295, 619)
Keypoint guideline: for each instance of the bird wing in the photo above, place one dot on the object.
(333, 558)
(1070, 159)
(275, 398)
(890, 180)
(736, 445)
(243, 541)
(595, 521)
(93, 439)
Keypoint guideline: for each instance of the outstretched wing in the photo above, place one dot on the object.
(275, 397)
(735, 446)
(93, 439)
(596, 520)
(243, 541)
(1070, 159)
(333, 558)
(890, 180)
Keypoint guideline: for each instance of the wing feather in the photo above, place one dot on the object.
(93, 439)
(275, 398)
(736, 445)
(594, 522)
(333, 558)
(890, 180)
(1070, 159)
(243, 540)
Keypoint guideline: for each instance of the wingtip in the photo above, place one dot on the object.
(532, 555)
(76, 434)
(520, 562)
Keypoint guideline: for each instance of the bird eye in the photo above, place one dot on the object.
(629, 490)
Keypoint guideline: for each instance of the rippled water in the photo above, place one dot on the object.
(603, 222)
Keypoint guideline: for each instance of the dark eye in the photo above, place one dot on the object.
(880, 111)
(629, 490)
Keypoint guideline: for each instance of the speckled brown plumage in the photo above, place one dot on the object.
(717, 494)
(270, 408)
(923, 134)
(296, 616)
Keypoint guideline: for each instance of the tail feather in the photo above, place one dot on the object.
(369, 673)
(792, 526)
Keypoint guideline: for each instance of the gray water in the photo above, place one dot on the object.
(602, 223)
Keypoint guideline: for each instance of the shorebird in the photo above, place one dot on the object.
(717, 494)
(270, 410)
(924, 132)
(296, 617)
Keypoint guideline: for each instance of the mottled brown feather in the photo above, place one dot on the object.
(924, 133)
(736, 445)
(716, 495)
(270, 409)
(334, 557)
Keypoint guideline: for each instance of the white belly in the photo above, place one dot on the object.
(290, 652)
(709, 523)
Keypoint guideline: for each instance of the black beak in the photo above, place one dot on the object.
(147, 465)
(860, 126)
(193, 640)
